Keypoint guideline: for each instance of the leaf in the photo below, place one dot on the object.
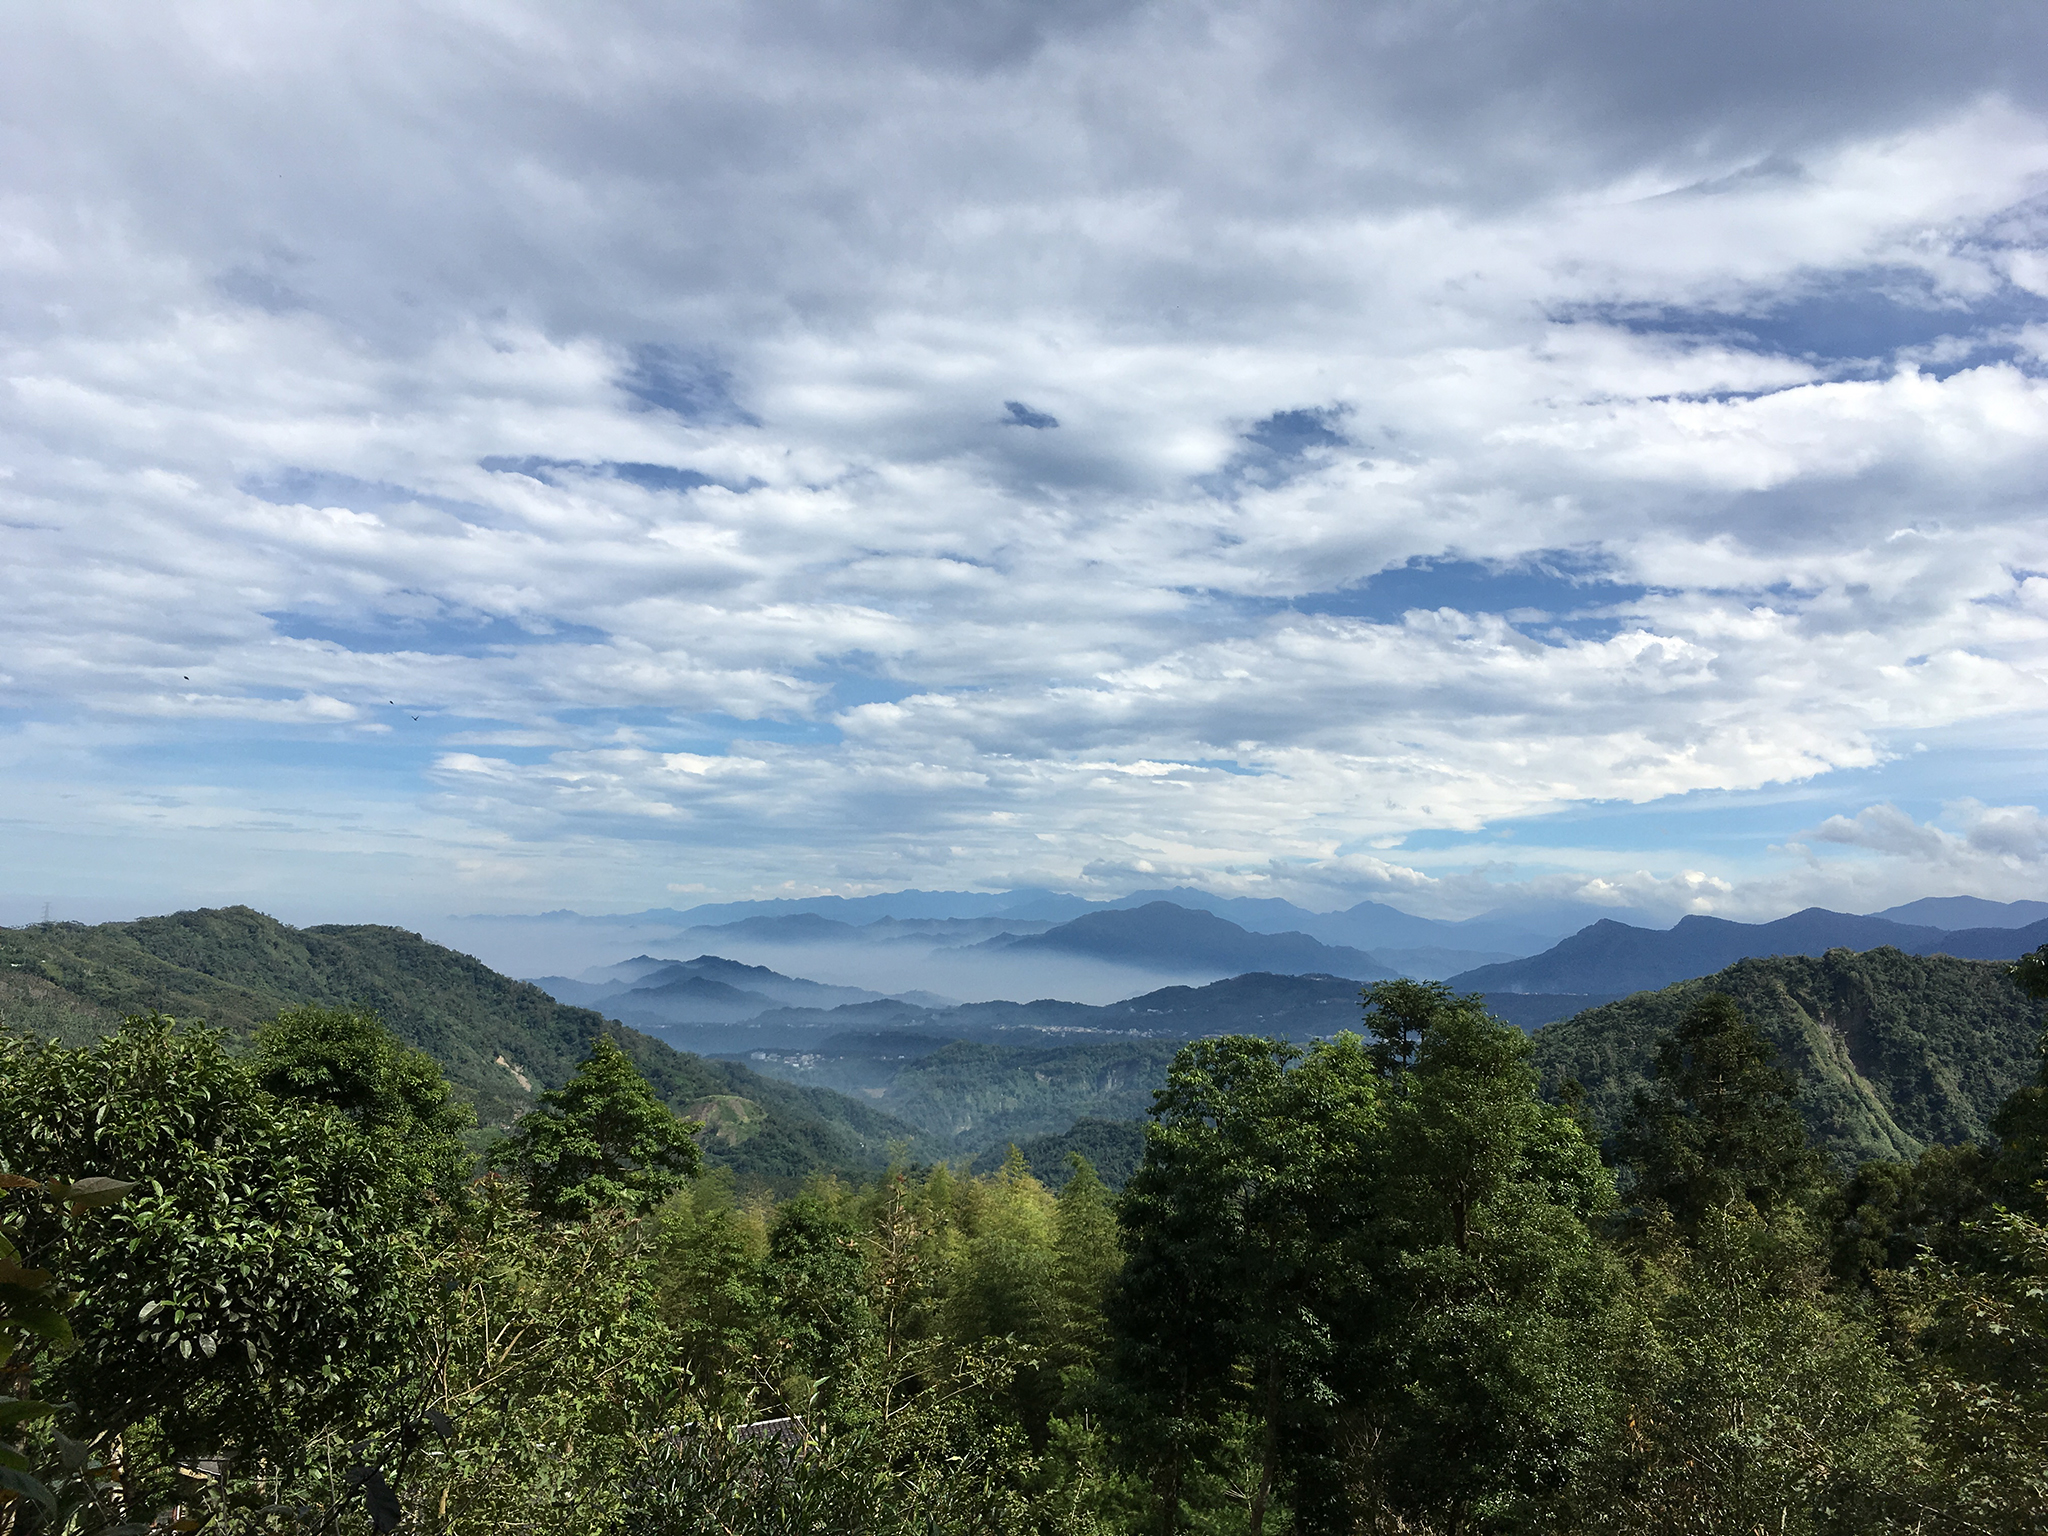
(19, 1410)
(441, 1423)
(88, 1193)
(12, 1273)
(46, 1323)
(27, 1487)
(73, 1453)
(378, 1498)
(18, 1181)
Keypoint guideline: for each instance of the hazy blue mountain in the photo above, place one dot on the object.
(1950, 913)
(1433, 963)
(1613, 957)
(1991, 943)
(1163, 936)
(687, 1000)
(1373, 925)
(1255, 914)
(788, 991)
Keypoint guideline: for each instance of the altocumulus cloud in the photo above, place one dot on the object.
(513, 453)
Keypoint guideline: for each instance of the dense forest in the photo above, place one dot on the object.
(1379, 1283)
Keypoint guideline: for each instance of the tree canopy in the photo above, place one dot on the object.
(601, 1141)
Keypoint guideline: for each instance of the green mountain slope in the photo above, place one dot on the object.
(970, 1095)
(1891, 1051)
(1114, 1148)
(499, 1041)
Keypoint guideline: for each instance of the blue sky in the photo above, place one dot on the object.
(492, 459)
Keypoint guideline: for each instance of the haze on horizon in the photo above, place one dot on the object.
(465, 459)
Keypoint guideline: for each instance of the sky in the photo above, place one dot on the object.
(492, 457)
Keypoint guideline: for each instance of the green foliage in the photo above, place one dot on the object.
(33, 1323)
(346, 1059)
(243, 1289)
(1088, 1254)
(1759, 1400)
(927, 1474)
(602, 1142)
(1490, 1308)
(1978, 1340)
(819, 1295)
(1885, 1214)
(2030, 974)
(1720, 1125)
(711, 1291)
(542, 1345)
(1890, 1052)
(1400, 1012)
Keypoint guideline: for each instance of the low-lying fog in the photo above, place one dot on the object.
(527, 947)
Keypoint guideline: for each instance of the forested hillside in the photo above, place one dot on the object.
(1891, 1052)
(1377, 1285)
(970, 1096)
(499, 1041)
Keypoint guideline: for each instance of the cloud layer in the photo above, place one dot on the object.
(492, 454)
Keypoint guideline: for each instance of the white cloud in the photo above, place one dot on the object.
(280, 286)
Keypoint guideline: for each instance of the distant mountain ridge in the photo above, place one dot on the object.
(1614, 957)
(707, 990)
(1396, 939)
(1163, 936)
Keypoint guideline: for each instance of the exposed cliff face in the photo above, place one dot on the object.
(1891, 1051)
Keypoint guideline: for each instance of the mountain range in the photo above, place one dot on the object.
(499, 1041)
(1615, 957)
(965, 942)
(1891, 1050)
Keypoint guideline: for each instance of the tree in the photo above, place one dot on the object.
(1089, 1252)
(1399, 1012)
(600, 1142)
(345, 1058)
(2030, 974)
(1760, 1398)
(1477, 1356)
(1979, 1345)
(1720, 1125)
(1233, 1280)
(248, 1289)
(1757, 1399)
(817, 1287)
(709, 1287)
(34, 1322)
